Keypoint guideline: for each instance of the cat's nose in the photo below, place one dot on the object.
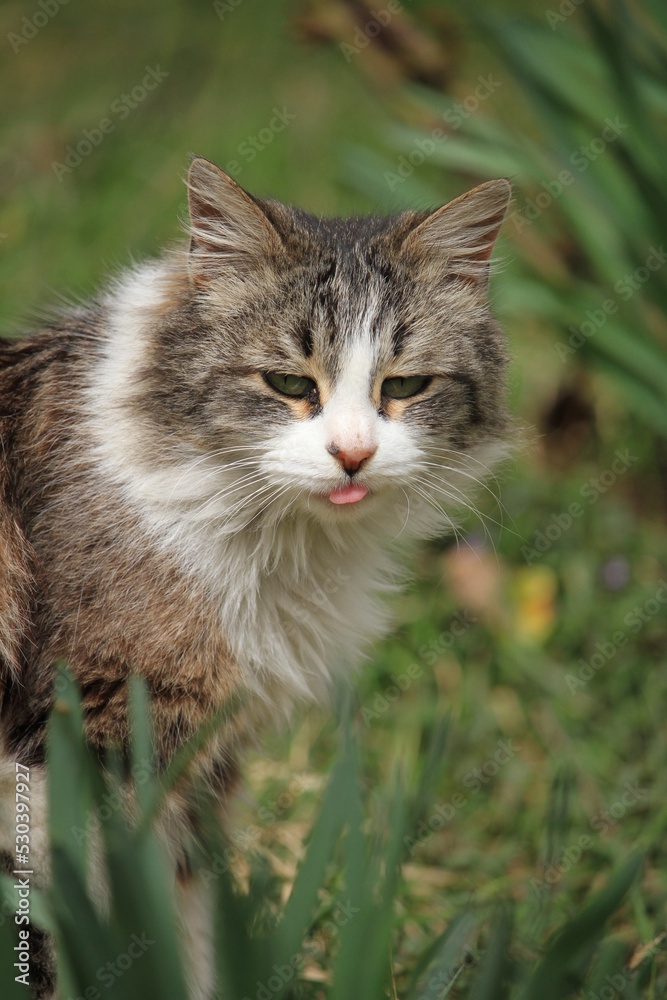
(351, 458)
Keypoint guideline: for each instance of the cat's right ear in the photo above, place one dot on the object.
(227, 225)
(463, 232)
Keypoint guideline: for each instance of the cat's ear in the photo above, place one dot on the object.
(226, 224)
(464, 231)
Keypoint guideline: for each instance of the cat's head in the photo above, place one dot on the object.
(351, 364)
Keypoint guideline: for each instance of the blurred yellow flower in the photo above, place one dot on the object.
(533, 594)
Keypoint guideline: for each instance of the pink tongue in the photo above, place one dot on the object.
(348, 494)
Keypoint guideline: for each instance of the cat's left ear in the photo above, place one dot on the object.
(464, 231)
(227, 225)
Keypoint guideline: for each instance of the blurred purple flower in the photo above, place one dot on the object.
(616, 573)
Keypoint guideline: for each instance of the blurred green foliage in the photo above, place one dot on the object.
(584, 141)
(226, 75)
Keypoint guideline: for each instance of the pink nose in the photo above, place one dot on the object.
(351, 458)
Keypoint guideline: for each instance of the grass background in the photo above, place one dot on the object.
(525, 622)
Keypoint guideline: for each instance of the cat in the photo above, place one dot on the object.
(208, 472)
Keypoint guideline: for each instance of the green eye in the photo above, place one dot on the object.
(290, 385)
(402, 388)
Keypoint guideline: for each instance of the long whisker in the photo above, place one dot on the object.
(280, 492)
(429, 499)
(239, 465)
(464, 502)
(233, 487)
(244, 502)
(468, 503)
(466, 457)
(407, 516)
(227, 516)
(458, 498)
(216, 454)
(221, 470)
(467, 475)
(463, 456)
(437, 507)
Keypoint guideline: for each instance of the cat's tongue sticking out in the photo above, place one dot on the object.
(349, 494)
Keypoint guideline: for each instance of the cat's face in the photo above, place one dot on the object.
(339, 366)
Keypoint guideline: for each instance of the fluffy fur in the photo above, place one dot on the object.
(164, 510)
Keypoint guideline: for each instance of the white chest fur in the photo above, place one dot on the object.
(298, 600)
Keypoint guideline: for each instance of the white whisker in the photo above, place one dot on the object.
(407, 516)
(462, 501)
(429, 499)
(467, 502)
(229, 490)
(211, 455)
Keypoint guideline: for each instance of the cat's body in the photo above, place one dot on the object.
(205, 474)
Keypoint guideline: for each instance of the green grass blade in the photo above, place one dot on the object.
(243, 962)
(143, 909)
(84, 944)
(560, 972)
(434, 756)
(141, 745)
(385, 870)
(350, 963)
(436, 974)
(186, 755)
(493, 978)
(68, 760)
(335, 812)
